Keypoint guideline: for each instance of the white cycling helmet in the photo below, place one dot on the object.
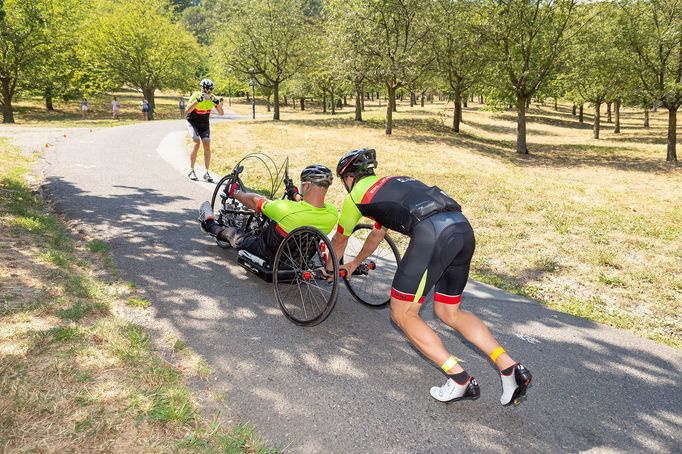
(207, 84)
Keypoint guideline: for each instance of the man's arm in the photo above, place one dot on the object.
(250, 200)
(219, 108)
(368, 247)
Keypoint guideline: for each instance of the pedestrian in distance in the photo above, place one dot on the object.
(198, 112)
(84, 108)
(181, 104)
(115, 109)
(439, 255)
(144, 107)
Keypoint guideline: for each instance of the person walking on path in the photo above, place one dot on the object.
(144, 106)
(115, 108)
(439, 254)
(182, 107)
(84, 108)
(198, 113)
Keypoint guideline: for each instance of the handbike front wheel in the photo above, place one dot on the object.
(371, 283)
(302, 290)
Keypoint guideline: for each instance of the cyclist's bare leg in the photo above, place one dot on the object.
(473, 329)
(406, 315)
(207, 154)
(193, 154)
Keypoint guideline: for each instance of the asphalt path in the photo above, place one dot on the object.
(352, 384)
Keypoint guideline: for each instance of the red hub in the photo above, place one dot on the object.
(307, 275)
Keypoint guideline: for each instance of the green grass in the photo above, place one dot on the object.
(79, 378)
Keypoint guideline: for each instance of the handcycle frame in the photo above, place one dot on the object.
(301, 260)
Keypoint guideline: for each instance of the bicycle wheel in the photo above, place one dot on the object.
(302, 290)
(371, 283)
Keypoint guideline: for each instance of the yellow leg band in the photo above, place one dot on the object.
(496, 353)
(449, 364)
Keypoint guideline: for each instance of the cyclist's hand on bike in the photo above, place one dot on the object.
(292, 192)
(350, 267)
(233, 189)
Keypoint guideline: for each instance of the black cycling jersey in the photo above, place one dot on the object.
(397, 203)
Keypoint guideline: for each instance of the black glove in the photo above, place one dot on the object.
(201, 97)
(215, 100)
(291, 192)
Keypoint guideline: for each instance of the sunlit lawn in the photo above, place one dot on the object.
(591, 227)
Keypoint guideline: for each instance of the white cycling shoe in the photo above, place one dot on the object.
(452, 391)
(515, 384)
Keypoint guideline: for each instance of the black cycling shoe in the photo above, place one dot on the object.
(515, 384)
(452, 391)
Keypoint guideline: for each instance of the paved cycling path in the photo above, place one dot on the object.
(351, 384)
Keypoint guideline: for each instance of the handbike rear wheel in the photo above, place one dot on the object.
(302, 291)
(371, 284)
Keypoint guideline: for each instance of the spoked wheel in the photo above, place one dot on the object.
(371, 282)
(302, 290)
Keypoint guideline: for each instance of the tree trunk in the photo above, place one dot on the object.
(7, 94)
(616, 128)
(457, 116)
(412, 99)
(471, 98)
(608, 112)
(672, 135)
(464, 101)
(389, 110)
(149, 94)
(286, 102)
(527, 104)
(275, 94)
(302, 104)
(646, 117)
(580, 113)
(392, 101)
(267, 104)
(324, 103)
(422, 98)
(48, 98)
(333, 102)
(345, 100)
(521, 146)
(597, 120)
(370, 96)
(556, 103)
(480, 99)
(573, 110)
(248, 98)
(358, 103)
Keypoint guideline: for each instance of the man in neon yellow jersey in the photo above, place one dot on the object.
(198, 113)
(307, 209)
(441, 246)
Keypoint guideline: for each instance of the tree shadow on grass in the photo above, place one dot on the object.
(355, 367)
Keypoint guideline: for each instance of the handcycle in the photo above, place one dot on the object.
(305, 291)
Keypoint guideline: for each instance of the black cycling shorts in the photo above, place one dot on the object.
(439, 253)
(199, 131)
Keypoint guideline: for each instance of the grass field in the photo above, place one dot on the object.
(32, 110)
(589, 227)
(74, 376)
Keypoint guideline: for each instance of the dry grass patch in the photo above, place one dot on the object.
(593, 228)
(73, 376)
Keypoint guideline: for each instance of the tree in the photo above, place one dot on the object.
(652, 30)
(23, 40)
(598, 63)
(394, 34)
(528, 40)
(457, 49)
(267, 40)
(138, 43)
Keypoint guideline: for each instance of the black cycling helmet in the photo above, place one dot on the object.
(207, 84)
(357, 163)
(318, 174)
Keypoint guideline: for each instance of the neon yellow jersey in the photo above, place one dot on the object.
(290, 215)
(202, 110)
(350, 214)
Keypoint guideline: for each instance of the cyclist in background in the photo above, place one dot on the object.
(198, 113)
(439, 254)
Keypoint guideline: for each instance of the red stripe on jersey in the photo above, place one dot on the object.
(202, 112)
(446, 299)
(373, 190)
(259, 206)
(280, 230)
